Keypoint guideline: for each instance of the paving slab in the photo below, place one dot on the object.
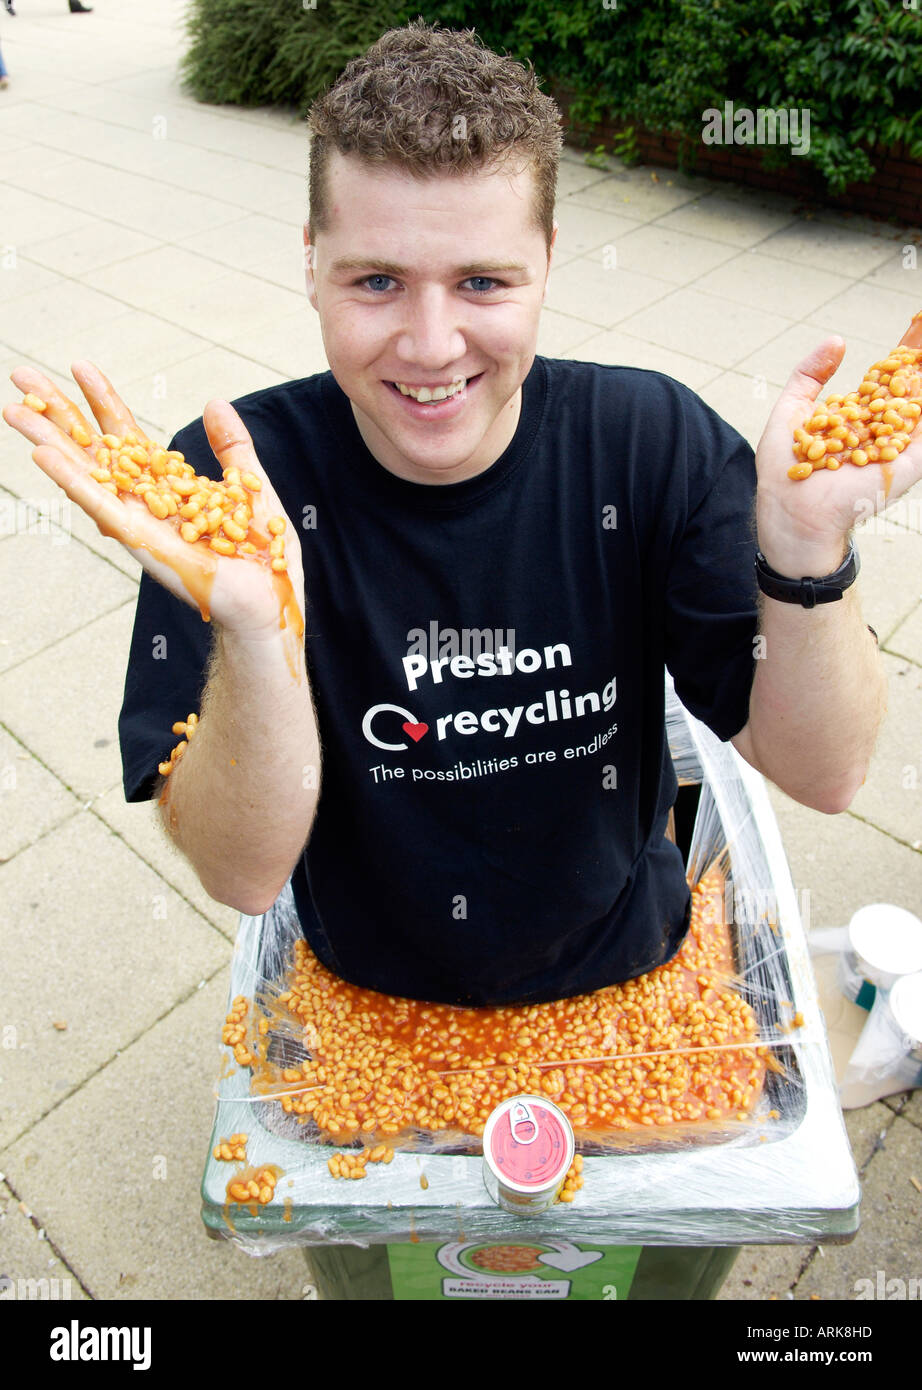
(666, 254)
(840, 863)
(833, 245)
(864, 305)
(582, 229)
(777, 358)
(76, 736)
(891, 797)
(104, 967)
(887, 550)
(737, 220)
(88, 248)
(589, 289)
(177, 394)
(642, 194)
(292, 346)
(138, 824)
(43, 562)
(891, 1212)
(560, 334)
(265, 246)
(722, 333)
(622, 349)
(907, 639)
(32, 799)
(145, 1121)
(744, 401)
(792, 290)
(29, 1267)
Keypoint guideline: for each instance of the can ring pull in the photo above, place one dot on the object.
(520, 1115)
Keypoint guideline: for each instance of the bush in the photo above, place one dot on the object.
(855, 65)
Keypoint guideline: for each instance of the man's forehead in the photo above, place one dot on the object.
(506, 189)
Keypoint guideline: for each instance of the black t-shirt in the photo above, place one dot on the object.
(486, 659)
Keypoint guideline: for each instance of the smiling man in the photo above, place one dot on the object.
(488, 826)
(463, 822)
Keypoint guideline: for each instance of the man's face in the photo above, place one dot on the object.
(427, 283)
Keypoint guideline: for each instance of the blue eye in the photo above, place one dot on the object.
(482, 283)
(373, 282)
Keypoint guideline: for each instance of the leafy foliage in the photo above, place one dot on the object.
(854, 65)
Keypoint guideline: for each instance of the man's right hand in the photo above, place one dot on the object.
(242, 593)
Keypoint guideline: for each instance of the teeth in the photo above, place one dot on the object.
(424, 394)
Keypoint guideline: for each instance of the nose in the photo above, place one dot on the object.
(430, 334)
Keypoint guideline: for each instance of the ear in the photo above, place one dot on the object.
(310, 259)
(550, 254)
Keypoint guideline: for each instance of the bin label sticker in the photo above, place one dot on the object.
(512, 1269)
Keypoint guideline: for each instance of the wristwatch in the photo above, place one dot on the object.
(808, 591)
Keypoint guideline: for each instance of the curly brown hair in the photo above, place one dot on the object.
(425, 99)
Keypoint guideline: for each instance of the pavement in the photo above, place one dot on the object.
(161, 239)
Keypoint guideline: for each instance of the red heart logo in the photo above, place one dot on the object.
(415, 731)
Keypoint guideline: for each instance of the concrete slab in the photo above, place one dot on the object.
(76, 736)
(88, 248)
(907, 639)
(738, 221)
(887, 549)
(177, 394)
(862, 305)
(31, 319)
(620, 349)
(29, 1267)
(138, 281)
(292, 346)
(264, 246)
(891, 797)
(745, 402)
(57, 568)
(765, 1272)
(777, 359)
(147, 1126)
(138, 824)
(560, 334)
(19, 275)
(723, 333)
(669, 255)
(637, 194)
(891, 1210)
(227, 309)
(839, 863)
(792, 290)
(588, 289)
(582, 229)
(829, 245)
(32, 800)
(124, 347)
(106, 968)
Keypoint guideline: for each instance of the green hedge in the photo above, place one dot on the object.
(856, 65)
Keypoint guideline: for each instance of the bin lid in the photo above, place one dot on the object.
(887, 937)
(906, 1005)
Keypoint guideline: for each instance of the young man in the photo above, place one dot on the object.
(469, 818)
(500, 555)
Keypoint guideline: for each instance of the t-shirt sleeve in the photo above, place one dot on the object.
(164, 683)
(167, 661)
(712, 597)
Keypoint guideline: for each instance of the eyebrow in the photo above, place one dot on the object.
(349, 263)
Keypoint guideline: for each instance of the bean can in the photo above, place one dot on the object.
(528, 1147)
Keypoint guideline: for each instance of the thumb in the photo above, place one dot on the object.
(804, 383)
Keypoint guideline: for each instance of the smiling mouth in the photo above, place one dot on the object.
(434, 395)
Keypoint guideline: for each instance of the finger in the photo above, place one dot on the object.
(810, 375)
(41, 430)
(101, 506)
(912, 338)
(61, 409)
(107, 405)
(232, 445)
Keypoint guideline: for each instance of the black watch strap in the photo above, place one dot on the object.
(808, 591)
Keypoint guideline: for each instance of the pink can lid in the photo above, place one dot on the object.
(529, 1142)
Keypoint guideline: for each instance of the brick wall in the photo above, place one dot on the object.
(895, 192)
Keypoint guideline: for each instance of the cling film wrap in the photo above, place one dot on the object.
(723, 1125)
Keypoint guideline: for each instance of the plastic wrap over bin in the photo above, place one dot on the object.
(784, 1175)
